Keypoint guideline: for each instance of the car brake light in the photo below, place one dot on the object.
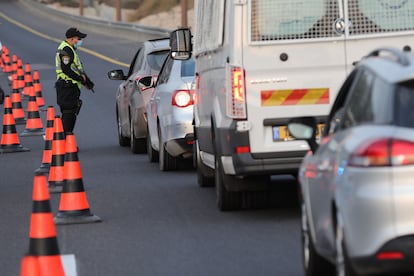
(236, 96)
(182, 98)
(383, 152)
(242, 149)
(391, 255)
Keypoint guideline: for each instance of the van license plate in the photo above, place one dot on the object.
(281, 133)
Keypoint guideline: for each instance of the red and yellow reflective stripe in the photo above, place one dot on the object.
(295, 97)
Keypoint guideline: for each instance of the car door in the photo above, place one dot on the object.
(155, 99)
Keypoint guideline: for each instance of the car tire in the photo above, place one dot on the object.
(123, 141)
(343, 265)
(138, 145)
(151, 152)
(205, 175)
(166, 161)
(313, 263)
(226, 200)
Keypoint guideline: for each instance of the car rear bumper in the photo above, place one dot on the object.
(373, 264)
(182, 147)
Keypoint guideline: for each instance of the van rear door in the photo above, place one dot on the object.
(294, 62)
(377, 23)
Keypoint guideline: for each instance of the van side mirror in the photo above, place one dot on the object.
(180, 44)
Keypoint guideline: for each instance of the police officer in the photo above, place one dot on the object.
(70, 78)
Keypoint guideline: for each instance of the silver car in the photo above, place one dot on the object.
(170, 115)
(357, 184)
(134, 92)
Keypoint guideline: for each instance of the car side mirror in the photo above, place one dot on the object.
(304, 128)
(116, 75)
(145, 83)
(180, 44)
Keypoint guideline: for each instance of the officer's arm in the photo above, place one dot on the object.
(66, 60)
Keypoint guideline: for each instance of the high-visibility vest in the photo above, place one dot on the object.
(76, 65)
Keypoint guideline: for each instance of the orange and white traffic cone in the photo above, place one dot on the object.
(34, 125)
(47, 151)
(16, 100)
(28, 81)
(74, 206)
(10, 140)
(56, 172)
(43, 239)
(38, 90)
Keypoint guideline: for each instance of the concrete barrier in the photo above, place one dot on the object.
(133, 32)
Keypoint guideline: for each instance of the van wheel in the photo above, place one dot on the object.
(123, 141)
(205, 175)
(166, 161)
(313, 263)
(226, 200)
(138, 145)
(152, 154)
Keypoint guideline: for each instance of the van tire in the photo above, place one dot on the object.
(226, 200)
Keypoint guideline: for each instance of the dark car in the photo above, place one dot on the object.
(357, 189)
(135, 91)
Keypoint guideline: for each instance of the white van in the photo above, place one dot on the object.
(260, 63)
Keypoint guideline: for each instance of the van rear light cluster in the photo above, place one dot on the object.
(390, 255)
(236, 96)
(383, 152)
(182, 98)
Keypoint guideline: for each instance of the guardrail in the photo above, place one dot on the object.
(130, 31)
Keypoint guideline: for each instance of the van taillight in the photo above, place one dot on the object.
(236, 92)
(383, 152)
(182, 98)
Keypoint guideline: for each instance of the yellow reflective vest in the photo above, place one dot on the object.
(76, 65)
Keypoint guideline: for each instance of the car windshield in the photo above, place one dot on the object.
(187, 68)
(404, 105)
(156, 59)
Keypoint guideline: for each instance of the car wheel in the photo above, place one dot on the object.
(205, 175)
(152, 154)
(166, 161)
(138, 145)
(343, 265)
(123, 141)
(226, 200)
(313, 263)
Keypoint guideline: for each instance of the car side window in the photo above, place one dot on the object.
(358, 107)
(166, 70)
(131, 66)
(139, 61)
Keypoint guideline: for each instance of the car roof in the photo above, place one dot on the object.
(391, 64)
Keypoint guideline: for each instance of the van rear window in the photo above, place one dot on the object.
(293, 19)
(308, 19)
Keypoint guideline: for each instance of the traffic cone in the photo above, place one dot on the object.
(74, 206)
(20, 75)
(7, 64)
(16, 100)
(13, 72)
(47, 152)
(30, 266)
(56, 173)
(28, 81)
(38, 90)
(43, 240)
(34, 124)
(10, 140)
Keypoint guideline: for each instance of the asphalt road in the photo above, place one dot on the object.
(154, 223)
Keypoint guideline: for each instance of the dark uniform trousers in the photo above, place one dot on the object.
(68, 94)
